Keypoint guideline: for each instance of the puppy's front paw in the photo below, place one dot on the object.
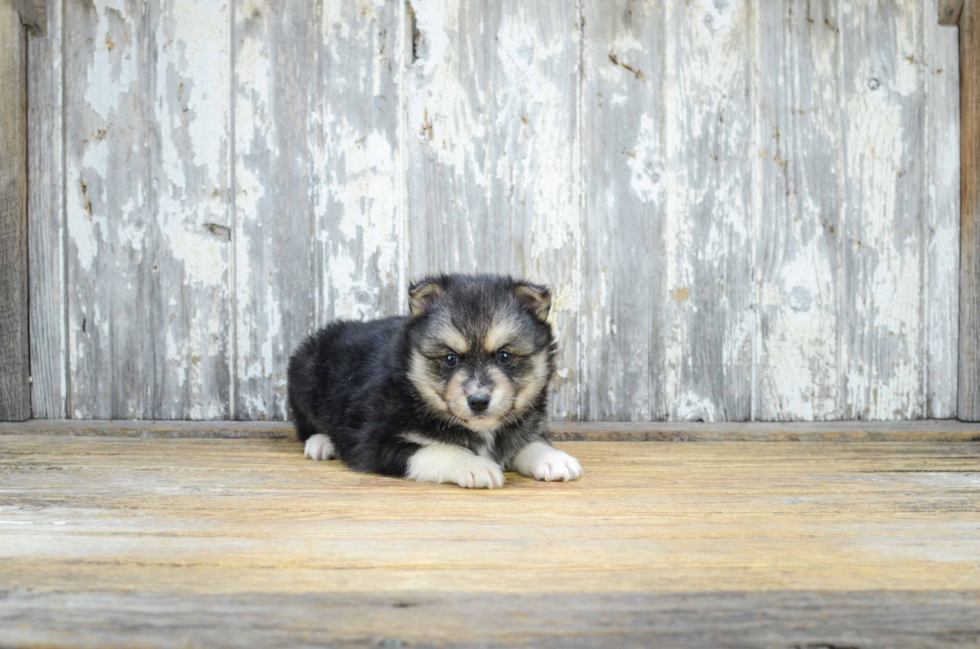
(544, 462)
(480, 473)
(319, 447)
(448, 463)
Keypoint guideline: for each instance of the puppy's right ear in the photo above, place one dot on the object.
(424, 293)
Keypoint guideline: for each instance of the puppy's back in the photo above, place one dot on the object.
(332, 372)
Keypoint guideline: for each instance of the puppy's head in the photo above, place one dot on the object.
(482, 351)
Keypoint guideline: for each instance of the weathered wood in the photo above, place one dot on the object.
(33, 14)
(116, 541)
(709, 141)
(735, 620)
(945, 430)
(493, 153)
(949, 11)
(882, 352)
(46, 220)
(800, 196)
(969, 360)
(624, 178)
(147, 124)
(15, 390)
(703, 265)
(940, 66)
(317, 109)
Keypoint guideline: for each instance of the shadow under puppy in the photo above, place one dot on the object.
(457, 392)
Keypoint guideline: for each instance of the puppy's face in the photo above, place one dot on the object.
(482, 351)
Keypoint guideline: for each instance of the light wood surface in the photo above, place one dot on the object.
(113, 540)
(969, 340)
(15, 390)
(714, 190)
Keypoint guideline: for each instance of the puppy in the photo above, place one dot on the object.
(456, 393)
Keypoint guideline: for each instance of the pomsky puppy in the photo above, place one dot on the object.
(457, 392)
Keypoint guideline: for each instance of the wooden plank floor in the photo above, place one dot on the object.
(153, 541)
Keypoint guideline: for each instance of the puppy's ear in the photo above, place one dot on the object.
(535, 298)
(424, 293)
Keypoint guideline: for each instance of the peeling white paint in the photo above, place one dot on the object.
(479, 152)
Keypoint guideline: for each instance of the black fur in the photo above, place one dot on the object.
(351, 380)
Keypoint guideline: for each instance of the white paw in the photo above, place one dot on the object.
(319, 447)
(544, 462)
(447, 463)
(481, 473)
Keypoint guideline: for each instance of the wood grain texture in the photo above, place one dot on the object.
(710, 316)
(493, 155)
(147, 123)
(624, 178)
(949, 11)
(882, 352)
(969, 340)
(46, 219)
(940, 66)
(319, 229)
(33, 15)
(180, 540)
(735, 620)
(15, 390)
(800, 193)
(945, 430)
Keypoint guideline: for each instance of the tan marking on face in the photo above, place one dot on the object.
(453, 339)
(501, 332)
(455, 395)
(427, 384)
(537, 378)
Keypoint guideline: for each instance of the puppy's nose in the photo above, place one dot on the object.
(478, 402)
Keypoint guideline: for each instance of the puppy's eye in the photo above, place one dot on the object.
(504, 358)
(450, 360)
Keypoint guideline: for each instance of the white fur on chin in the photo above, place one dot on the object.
(542, 461)
(319, 447)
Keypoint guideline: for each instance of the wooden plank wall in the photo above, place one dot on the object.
(747, 210)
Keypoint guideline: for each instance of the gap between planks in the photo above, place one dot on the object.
(935, 430)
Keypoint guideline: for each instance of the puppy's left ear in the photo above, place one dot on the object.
(423, 293)
(535, 298)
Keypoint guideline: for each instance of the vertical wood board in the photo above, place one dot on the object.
(625, 209)
(15, 392)
(147, 123)
(359, 176)
(46, 219)
(319, 230)
(883, 362)
(710, 212)
(275, 68)
(968, 407)
(941, 197)
(799, 185)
